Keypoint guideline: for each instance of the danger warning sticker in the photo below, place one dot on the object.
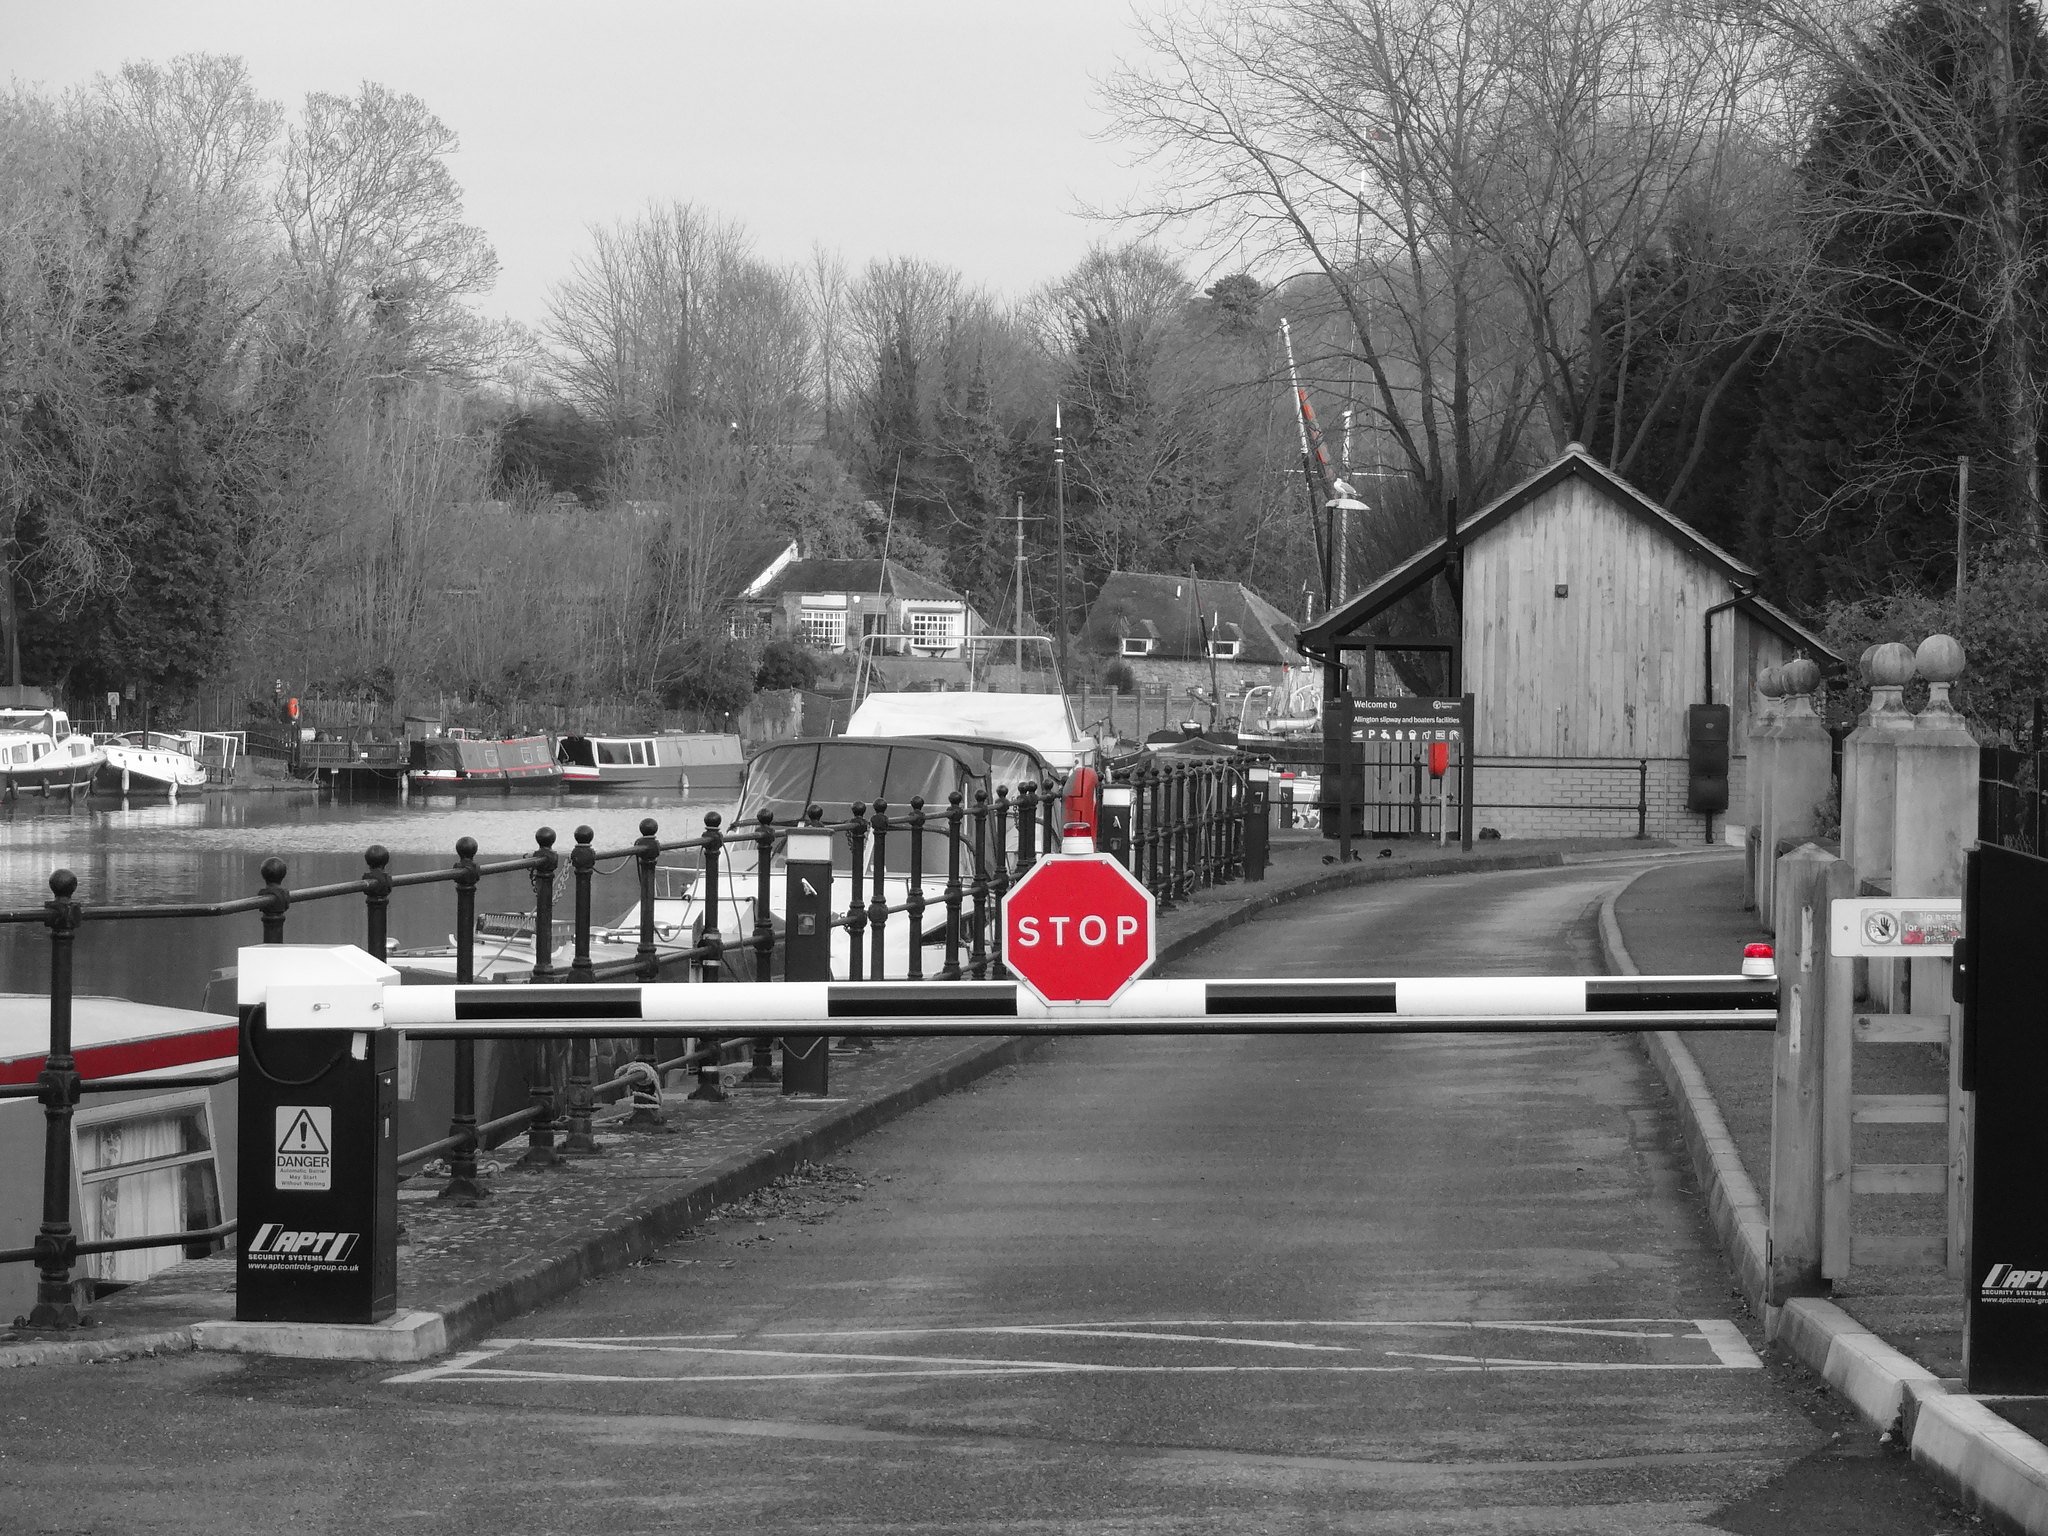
(305, 1135)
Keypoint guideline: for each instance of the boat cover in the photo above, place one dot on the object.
(1038, 720)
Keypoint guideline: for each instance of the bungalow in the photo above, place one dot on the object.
(915, 627)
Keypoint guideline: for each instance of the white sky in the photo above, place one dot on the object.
(960, 132)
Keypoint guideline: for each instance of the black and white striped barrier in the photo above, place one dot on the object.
(1427, 1005)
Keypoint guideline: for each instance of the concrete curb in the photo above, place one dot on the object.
(647, 1226)
(1995, 1467)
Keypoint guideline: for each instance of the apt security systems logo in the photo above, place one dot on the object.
(276, 1244)
(2006, 1284)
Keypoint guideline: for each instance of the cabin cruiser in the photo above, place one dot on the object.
(148, 763)
(503, 948)
(40, 751)
(689, 762)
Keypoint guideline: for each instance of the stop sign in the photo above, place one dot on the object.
(1077, 928)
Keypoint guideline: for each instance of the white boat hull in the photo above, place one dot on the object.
(149, 771)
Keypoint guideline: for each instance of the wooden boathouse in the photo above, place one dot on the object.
(1584, 620)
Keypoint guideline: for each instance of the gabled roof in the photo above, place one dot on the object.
(1166, 608)
(856, 576)
(1429, 561)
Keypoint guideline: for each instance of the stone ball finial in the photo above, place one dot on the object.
(1863, 665)
(1891, 665)
(1801, 675)
(1771, 683)
(1940, 658)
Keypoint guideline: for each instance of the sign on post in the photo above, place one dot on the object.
(1892, 927)
(1078, 928)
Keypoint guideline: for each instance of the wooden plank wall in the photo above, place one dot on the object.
(1608, 669)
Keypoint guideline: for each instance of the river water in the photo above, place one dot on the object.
(212, 847)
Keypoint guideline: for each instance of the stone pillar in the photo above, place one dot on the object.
(1802, 773)
(1870, 762)
(1756, 782)
(1935, 822)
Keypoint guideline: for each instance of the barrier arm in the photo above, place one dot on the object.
(1394, 1005)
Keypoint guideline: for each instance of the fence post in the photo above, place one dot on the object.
(807, 947)
(646, 854)
(955, 811)
(999, 883)
(377, 900)
(540, 1132)
(914, 903)
(582, 1101)
(977, 965)
(1257, 834)
(763, 1068)
(1027, 826)
(276, 900)
(1642, 798)
(710, 1080)
(856, 906)
(60, 1300)
(878, 897)
(463, 1181)
(1804, 883)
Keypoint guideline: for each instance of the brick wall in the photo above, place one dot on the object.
(1581, 797)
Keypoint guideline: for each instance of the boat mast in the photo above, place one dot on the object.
(1059, 480)
(1018, 626)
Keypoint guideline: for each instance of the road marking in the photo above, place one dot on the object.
(454, 1365)
(1727, 1343)
(1724, 1350)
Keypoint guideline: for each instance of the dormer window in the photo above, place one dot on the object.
(1140, 638)
(1225, 641)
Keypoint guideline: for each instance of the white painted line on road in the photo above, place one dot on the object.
(454, 1365)
(1072, 1331)
(1504, 1363)
(1727, 1343)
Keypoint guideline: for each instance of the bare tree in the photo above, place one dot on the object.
(1466, 181)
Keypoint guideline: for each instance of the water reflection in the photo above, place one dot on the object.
(211, 848)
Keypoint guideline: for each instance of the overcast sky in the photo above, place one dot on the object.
(961, 132)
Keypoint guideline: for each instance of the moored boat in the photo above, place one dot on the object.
(458, 761)
(690, 762)
(41, 753)
(147, 763)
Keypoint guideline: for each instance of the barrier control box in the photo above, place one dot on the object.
(317, 1228)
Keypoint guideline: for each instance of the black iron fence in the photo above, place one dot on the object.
(2010, 798)
(941, 871)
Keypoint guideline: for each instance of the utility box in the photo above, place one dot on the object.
(317, 1232)
(1706, 757)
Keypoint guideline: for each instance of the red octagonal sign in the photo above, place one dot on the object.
(1077, 928)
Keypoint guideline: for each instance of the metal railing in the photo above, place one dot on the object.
(1187, 833)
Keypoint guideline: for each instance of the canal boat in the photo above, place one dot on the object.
(147, 763)
(460, 761)
(40, 753)
(689, 762)
(152, 1159)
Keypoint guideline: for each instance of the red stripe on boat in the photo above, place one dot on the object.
(125, 1056)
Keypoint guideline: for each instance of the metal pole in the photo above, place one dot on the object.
(1962, 527)
(646, 854)
(463, 1181)
(582, 1100)
(277, 900)
(955, 812)
(540, 1132)
(59, 1299)
(710, 1081)
(977, 959)
(914, 903)
(377, 900)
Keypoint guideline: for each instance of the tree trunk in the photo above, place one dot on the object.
(2019, 406)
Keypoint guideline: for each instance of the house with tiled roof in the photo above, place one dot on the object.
(915, 626)
(1192, 636)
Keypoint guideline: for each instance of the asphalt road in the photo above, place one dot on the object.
(1279, 1285)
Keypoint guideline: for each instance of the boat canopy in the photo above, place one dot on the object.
(1041, 721)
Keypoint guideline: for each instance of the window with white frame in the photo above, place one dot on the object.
(1138, 645)
(933, 629)
(1224, 650)
(822, 629)
(145, 1169)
